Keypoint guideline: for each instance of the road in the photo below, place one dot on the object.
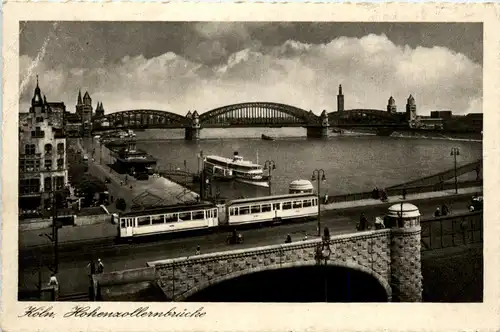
(72, 267)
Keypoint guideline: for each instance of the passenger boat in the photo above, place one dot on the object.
(235, 169)
(267, 138)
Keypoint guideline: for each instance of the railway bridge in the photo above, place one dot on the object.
(389, 259)
(249, 114)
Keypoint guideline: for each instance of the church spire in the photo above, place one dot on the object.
(340, 89)
(79, 102)
(37, 97)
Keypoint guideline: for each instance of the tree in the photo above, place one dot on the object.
(121, 204)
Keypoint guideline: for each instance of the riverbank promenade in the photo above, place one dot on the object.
(155, 190)
(102, 231)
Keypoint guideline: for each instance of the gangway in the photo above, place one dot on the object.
(442, 176)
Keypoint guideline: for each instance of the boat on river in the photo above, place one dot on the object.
(267, 138)
(238, 169)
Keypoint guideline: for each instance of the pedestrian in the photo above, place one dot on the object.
(444, 210)
(100, 266)
(326, 199)
(404, 193)
(288, 239)
(437, 213)
(92, 267)
(198, 250)
(363, 222)
(53, 280)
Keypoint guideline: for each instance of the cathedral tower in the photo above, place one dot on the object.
(340, 100)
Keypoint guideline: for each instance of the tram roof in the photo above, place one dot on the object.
(168, 209)
(270, 198)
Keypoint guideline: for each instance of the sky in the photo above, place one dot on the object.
(183, 66)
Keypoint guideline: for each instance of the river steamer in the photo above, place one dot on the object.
(237, 169)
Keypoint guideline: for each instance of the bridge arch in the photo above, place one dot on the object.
(257, 113)
(275, 267)
(141, 118)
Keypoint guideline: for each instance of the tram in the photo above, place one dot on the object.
(250, 211)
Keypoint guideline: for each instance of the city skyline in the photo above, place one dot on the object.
(199, 66)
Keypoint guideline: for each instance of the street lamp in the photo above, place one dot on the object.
(455, 152)
(270, 165)
(319, 175)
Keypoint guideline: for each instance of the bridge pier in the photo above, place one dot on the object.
(192, 134)
(319, 130)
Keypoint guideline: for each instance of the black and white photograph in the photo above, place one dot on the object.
(279, 162)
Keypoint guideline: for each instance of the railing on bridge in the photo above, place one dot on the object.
(452, 231)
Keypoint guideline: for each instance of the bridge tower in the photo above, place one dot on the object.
(391, 106)
(319, 130)
(340, 100)
(406, 268)
(193, 127)
(411, 111)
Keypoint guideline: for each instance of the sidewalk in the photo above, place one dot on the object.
(107, 230)
(412, 198)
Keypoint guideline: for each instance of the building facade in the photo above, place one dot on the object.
(43, 169)
(84, 110)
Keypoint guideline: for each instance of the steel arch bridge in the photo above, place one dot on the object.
(258, 114)
(368, 117)
(138, 119)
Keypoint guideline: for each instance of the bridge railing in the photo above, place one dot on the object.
(452, 231)
(409, 191)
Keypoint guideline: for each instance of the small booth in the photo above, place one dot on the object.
(300, 187)
(403, 215)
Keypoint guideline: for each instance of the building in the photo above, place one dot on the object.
(391, 106)
(84, 111)
(425, 122)
(446, 115)
(340, 100)
(99, 111)
(411, 111)
(42, 156)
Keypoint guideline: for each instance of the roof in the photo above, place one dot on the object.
(169, 209)
(271, 198)
(405, 210)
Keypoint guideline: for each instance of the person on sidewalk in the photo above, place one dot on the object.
(198, 250)
(53, 281)
(100, 266)
(92, 267)
(288, 239)
(444, 210)
(326, 199)
(437, 213)
(404, 193)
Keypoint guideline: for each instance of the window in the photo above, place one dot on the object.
(37, 133)
(297, 204)
(48, 164)
(29, 149)
(47, 184)
(306, 203)
(29, 186)
(48, 148)
(157, 219)
(198, 215)
(266, 207)
(287, 205)
(214, 213)
(184, 216)
(29, 165)
(60, 148)
(60, 163)
(255, 209)
(172, 217)
(59, 182)
(244, 210)
(233, 211)
(122, 222)
(315, 202)
(276, 206)
(143, 221)
(39, 119)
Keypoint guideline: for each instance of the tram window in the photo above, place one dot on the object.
(184, 216)
(266, 207)
(255, 209)
(171, 217)
(315, 201)
(122, 223)
(276, 206)
(297, 204)
(232, 211)
(198, 215)
(306, 203)
(244, 210)
(157, 219)
(215, 213)
(143, 221)
(287, 205)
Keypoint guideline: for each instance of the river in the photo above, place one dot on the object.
(351, 163)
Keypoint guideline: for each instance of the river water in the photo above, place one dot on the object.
(351, 163)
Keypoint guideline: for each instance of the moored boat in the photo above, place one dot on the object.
(267, 138)
(235, 169)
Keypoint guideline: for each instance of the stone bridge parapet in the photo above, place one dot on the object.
(369, 252)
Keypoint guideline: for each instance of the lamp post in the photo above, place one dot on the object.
(319, 175)
(270, 165)
(455, 152)
(323, 253)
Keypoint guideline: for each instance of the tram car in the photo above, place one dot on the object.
(168, 220)
(271, 209)
(249, 211)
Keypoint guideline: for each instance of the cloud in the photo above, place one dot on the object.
(370, 69)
